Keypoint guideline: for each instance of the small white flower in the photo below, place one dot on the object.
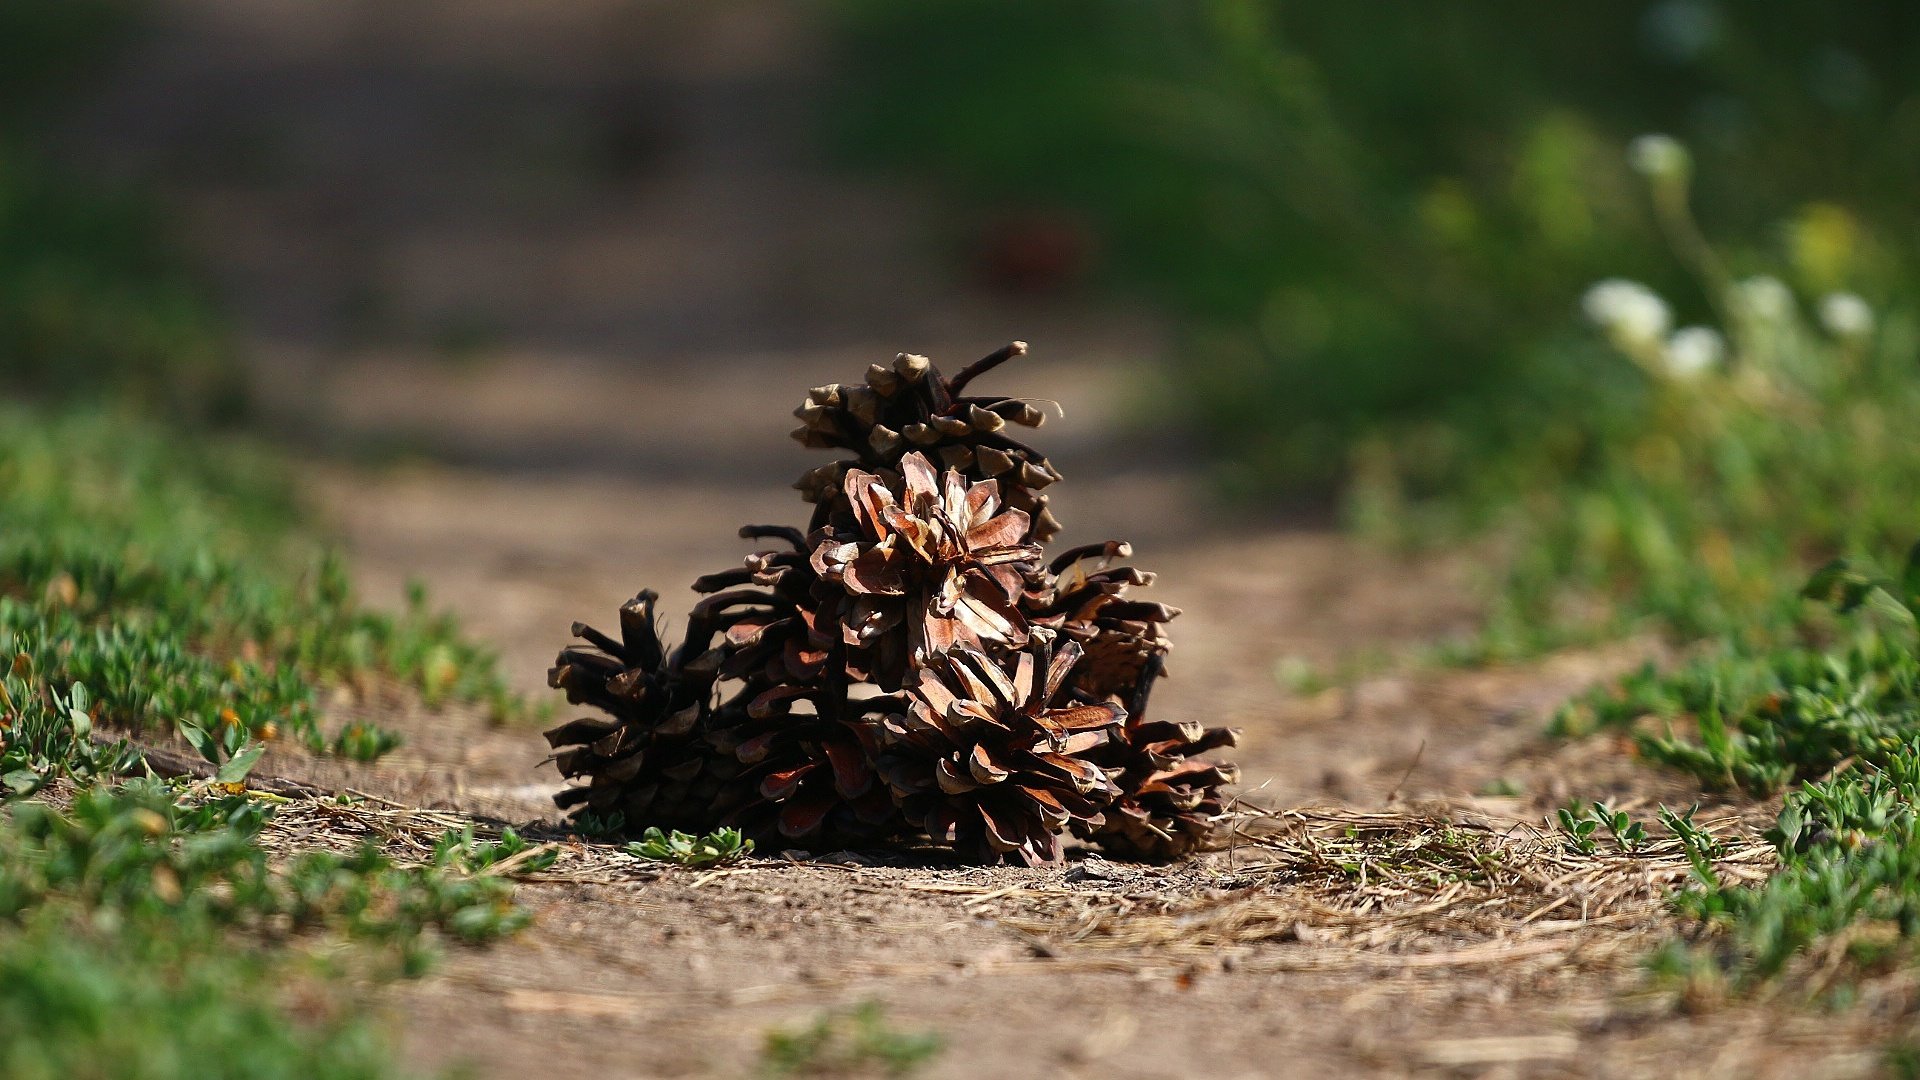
(1659, 157)
(1694, 350)
(1765, 298)
(1845, 315)
(1627, 310)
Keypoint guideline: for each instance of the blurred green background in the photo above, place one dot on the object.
(1375, 228)
(1372, 232)
(1366, 217)
(96, 299)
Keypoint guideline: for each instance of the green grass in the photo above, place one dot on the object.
(1831, 720)
(145, 932)
(104, 1006)
(1849, 875)
(171, 576)
(145, 856)
(46, 735)
(1845, 691)
(849, 1042)
(160, 576)
(161, 580)
(163, 561)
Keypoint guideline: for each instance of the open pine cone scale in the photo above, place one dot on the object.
(980, 761)
(934, 560)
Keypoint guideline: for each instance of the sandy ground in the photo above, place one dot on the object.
(536, 284)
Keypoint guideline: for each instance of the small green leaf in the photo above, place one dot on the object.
(202, 740)
(678, 847)
(1884, 603)
(240, 764)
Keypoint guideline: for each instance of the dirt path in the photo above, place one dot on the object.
(569, 264)
(1240, 964)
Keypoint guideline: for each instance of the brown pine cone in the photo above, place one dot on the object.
(771, 630)
(812, 774)
(1016, 694)
(1122, 638)
(647, 759)
(1169, 803)
(981, 759)
(910, 406)
(913, 570)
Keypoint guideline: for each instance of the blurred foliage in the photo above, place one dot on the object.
(1364, 220)
(860, 1041)
(1725, 459)
(153, 574)
(141, 553)
(48, 47)
(118, 1007)
(95, 302)
(1373, 230)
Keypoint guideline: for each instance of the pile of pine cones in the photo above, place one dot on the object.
(912, 667)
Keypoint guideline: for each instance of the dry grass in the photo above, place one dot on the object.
(1394, 890)
(1296, 890)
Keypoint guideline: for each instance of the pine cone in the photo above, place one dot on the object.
(665, 755)
(1017, 694)
(1121, 637)
(808, 776)
(647, 759)
(771, 632)
(1168, 803)
(812, 773)
(911, 406)
(909, 575)
(981, 760)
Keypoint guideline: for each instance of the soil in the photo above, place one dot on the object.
(537, 283)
